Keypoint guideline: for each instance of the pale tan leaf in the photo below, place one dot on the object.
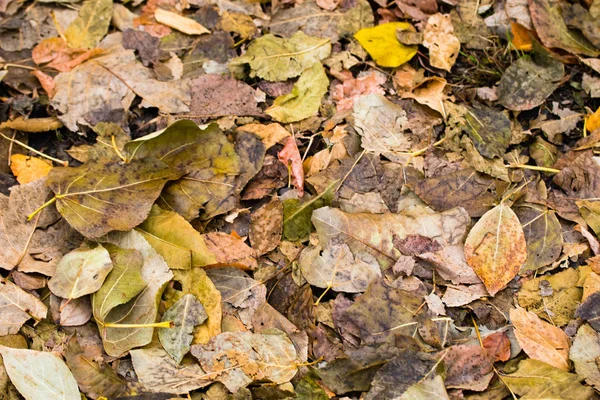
(179, 22)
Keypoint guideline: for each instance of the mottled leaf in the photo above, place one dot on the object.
(425, 389)
(185, 315)
(80, 272)
(468, 367)
(495, 247)
(91, 24)
(439, 38)
(589, 310)
(489, 130)
(266, 227)
(16, 307)
(397, 375)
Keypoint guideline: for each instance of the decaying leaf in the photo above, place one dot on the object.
(18, 306)
(290, 156)
(297, 214)
(439, 38)
(469, 367)
(584, 353)
(239, 358)
(91, 24)
(230, 250)
(496, 248)
(381, 44)
(266, 227)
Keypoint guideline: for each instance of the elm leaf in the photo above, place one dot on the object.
(80, 272)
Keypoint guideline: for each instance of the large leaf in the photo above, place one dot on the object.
(495, 247)
(206, 156)
(239, 358)
(175, 240)
(39, 375)
(105, 196)
(540, 340)
(374, 233)
(16, 307)
(277, 59)
(81, 272)
(141, 310)
(305, 98)
(538, 380)
(91, 24)
(185, 314)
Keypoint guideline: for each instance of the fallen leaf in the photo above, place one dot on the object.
(469, 26)
(544, 153)
(91, 24)
(424, 389)
(498, 345)
(290, 156)
(160, 374)
(230, 250)
(590, 211)
(70, 312)
(521, 37)
(297, 214)
(496, 248)
(56, 53)
(28, 169)
(39, 375)
(337, 268)
(239, 23)
(239, 358)
(350, 89)
(46, 81)
(430, 93)
(215, 95)
(175, 240)
(469, 367)
(18, 307)
(593, 121)
(591, 85)
(383, 46)
(305, 98)
(277, 59)
(451, 264)
(270, 134)
(80, 272)
(584, 353)
(589, 310)
(489, 130)
(185, 314)
(266, 227)
(439, 38)
(179, 22)
(535, 379)
(540, 340)
(105, 196)
(456, 296)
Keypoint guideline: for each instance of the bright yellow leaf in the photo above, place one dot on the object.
(383, 46)
(593, 121)
(28, 169)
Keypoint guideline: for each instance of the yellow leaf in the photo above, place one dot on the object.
(91, 24)
(269, 134)
(521, 39)
(28, 169)
(593, 121)
(383, 46)
(179, 22)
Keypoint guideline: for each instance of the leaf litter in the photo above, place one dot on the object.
(299, 199)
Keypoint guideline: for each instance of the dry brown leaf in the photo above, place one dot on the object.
(28, 169)
(230, 250)
(539, 339)
(269, 134)
(439, 38)
(430, 92)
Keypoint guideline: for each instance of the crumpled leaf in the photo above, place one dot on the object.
(39, 375)
(185, 314)
(269, 134)
(305, 98)
(175, 240)
(496, 248)
(383, 46)
(584, 353)
(529, 81)
(80, 272)
(540, 340)
(28, 169)
(535, 380)
(290, 156)
(208, 159)
(374, 233)
(430, 93)
(239, 358)
(547, 18)
(143, 309)
(439, 38)
(230, 250)
(276, 59)
(16, 307)
(105, 196)
(157, 371)
(91, 24)
(297, 214)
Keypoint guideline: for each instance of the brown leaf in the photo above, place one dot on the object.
(439, 38)
(229, 250)
(469, 367)
(57, 54)
(498, 346)
(266, 227)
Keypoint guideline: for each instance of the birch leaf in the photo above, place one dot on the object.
(16, 307)
(383, 46)
(185, 314)
(91, 24)
(80, 272)
(107, 195)
(495, 248)
(39, 375)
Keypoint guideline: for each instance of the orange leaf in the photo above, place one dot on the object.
(28, 169)
(521, 37)
(291, 155)
(46, 81)
(593, 121)
(57, 53)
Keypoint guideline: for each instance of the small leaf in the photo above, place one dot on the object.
(495, 247)
(266, 227)
(290, 156)
(179, 22)
(305, 98)
(91, 24)
(185, 314)
(28, 169)
(105, 196)
(297, 214)
(590, 211)
(489, 130)
(383, 46)
(439, 38)
(426, 389)
(39, 375)
(17, 306)
(80, 272)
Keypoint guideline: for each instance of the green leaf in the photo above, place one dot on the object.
(308, 389)
(80, 272)
(175, 239)
(17, 307)
(296, 214)
(538, 380)
(206, 156)
(91, 24)
(143, 309)
(426, 389)
(185, 314)
(276, 59)
(383, 46)
(305, 98)
(105, 196)
(122, 284)
(489, 130)
(39, 375)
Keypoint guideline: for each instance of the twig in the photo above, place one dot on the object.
(56, 160)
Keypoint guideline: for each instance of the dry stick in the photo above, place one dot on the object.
(535, 168)
(56, 160)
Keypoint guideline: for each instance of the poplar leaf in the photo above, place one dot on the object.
(17, 306)
(383, 46)
(91, 24)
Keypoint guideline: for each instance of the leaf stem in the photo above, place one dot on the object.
(535, 168)
(164, 324)
(322, 294)
(56, 160)
(113, 142)
(40, 208)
